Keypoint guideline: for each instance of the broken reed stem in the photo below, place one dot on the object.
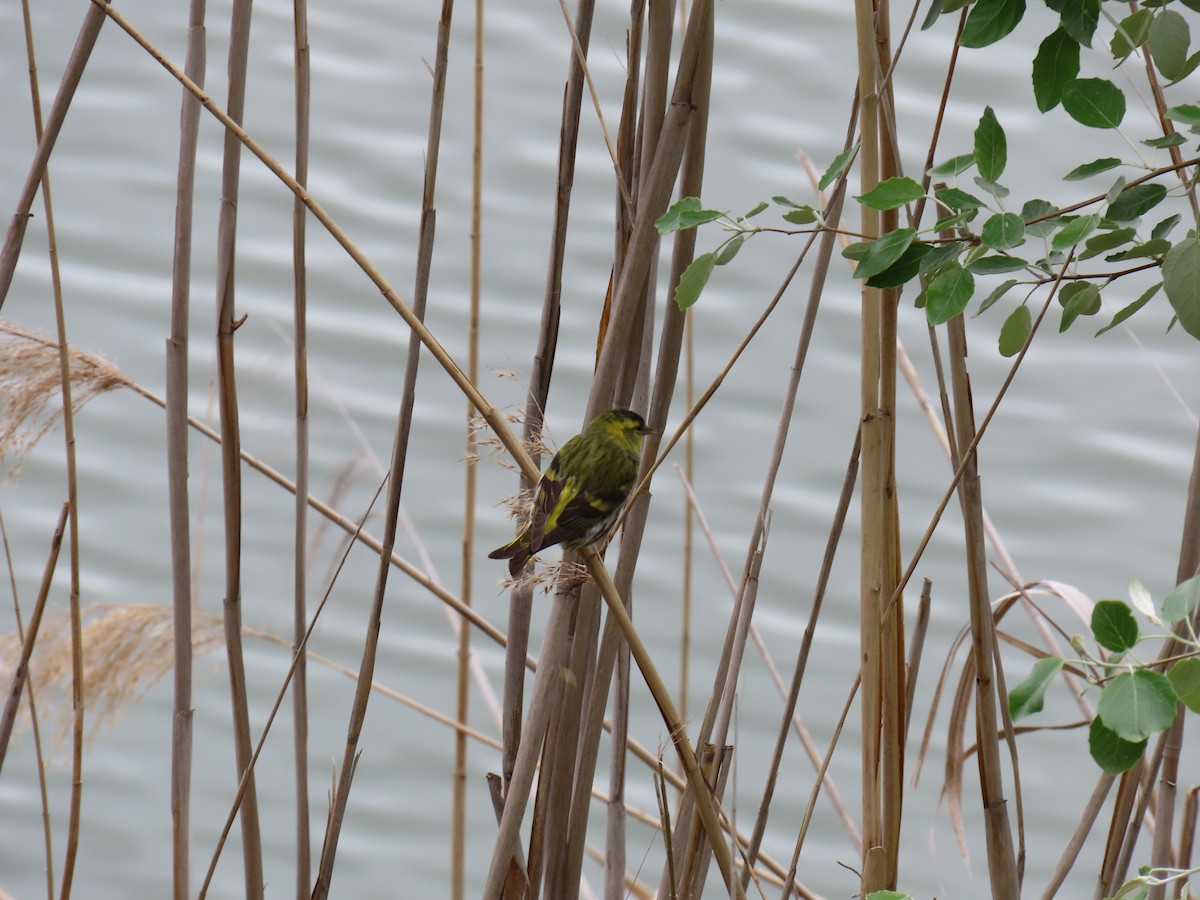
(29, 638)
(303, 91)
(458, 826)
(231, 472)
(178, 505)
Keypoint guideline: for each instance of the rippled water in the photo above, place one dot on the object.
(1084, 468)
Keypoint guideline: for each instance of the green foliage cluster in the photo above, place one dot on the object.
(982, 234)
(1137, 698)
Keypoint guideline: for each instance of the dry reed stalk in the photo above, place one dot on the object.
(458, 828)
(873, 548)
(303, 95)
(521, 597)
(28, 638)
(1002, 862)
(916, 648)
(1187, 833)
(789, 711)
(396, 472)
(178, 506)
(47, 136)
(335, 812)
(72, 506)
(231, 474)
(1086, 820)
(654, 89)
(790, 880)
(704, 800)
(39, 755)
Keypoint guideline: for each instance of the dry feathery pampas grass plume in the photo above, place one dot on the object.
(31, 388)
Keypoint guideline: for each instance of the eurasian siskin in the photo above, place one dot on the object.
(581, 494)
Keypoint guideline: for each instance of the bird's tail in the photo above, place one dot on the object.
(517, 553)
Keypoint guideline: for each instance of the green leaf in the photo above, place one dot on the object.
(1003, 231)
(1181, 278)
(953, 198)
(892, 193)
(1174, 139)
(991, 148)
(1106, 240)
(1035, 209)
(1180, 603)
(956, 165)
(1015, 331)
(990, 20)
(1132, 202)
(1111, 752)
(1055, 66)
(903, 270)
(1129, 310)
(1095, 167)
(996, 294)
(837, 167)
(1185, 678)
(1028, 697)
(994, 188)
(1131, 33)
(888, 895)
(1152, 247)
(757, 209)
(1168, 44)
(948, 294)
(996, 265)
(1165, 227)
(1080, 19)
(1095, 102)
(1114, 626)
(1080, 298)
(801, 215)
(684, 214)
(1137, 704)
(1187, 113)
(885, 251)
(729, 249)
(1074, 232)
(693, 280)
(934, 13)
(939, 255)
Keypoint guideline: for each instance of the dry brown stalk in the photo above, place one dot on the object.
(47, 136)
(303, 96)
(28, 637)
(1002, 860)
(177, 460)
(227, 323)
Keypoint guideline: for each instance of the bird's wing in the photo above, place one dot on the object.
(546, 501)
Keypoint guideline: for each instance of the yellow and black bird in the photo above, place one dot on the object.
(581, 494)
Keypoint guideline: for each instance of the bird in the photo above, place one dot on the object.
(582, 492)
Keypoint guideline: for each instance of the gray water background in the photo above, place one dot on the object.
(1083, 470)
